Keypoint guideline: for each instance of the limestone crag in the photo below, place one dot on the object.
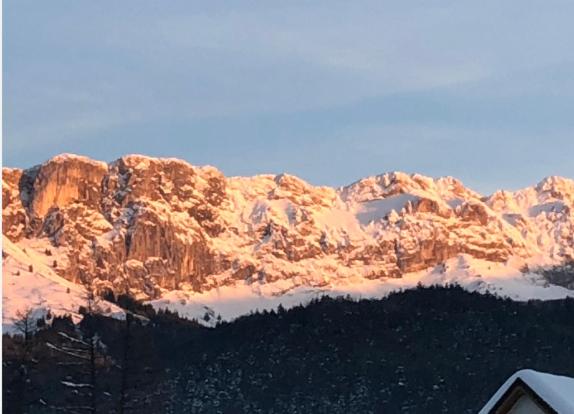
(146, 224)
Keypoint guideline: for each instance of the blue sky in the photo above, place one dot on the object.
(329, 91)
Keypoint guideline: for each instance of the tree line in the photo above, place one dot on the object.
(433, 349)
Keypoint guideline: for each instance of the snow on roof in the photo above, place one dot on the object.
(557, 391)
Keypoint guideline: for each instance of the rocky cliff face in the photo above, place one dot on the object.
(148, 225)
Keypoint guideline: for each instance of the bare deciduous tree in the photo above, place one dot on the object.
(25, 326)
(86, 350)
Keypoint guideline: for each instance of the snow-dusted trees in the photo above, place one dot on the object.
(136, 361)
(25, 325)
(82, 356)
(89, 348)
(125, 366)
(83, 352)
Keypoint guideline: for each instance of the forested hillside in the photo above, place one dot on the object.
(427, 350)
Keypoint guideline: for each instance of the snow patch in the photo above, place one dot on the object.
(374, 210)
(29, 283)
(475, 275)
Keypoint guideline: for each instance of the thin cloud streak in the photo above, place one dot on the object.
(257, 88)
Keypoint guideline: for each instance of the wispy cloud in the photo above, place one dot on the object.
(229, 83)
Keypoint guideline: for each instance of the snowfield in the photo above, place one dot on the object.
(29, 283)
(43, 291)
(474, 275)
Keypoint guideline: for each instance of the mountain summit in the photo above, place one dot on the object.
(155, 226)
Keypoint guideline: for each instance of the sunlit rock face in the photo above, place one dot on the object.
(144, 224)
(14, 217)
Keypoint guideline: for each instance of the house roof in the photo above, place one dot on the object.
(554, 390)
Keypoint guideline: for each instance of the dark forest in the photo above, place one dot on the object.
(426, 350)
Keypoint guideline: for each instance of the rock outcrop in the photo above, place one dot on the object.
(145, 224)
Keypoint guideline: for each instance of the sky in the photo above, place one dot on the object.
(330, 91)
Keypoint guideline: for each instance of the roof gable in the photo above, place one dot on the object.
(553, 393)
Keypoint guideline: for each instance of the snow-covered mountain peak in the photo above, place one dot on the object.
(557, 187)
(551, 191)
(68, 157)
(442, 190)
(160, 225)
(140, 161)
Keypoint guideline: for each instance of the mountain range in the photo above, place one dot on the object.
(190, 239)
